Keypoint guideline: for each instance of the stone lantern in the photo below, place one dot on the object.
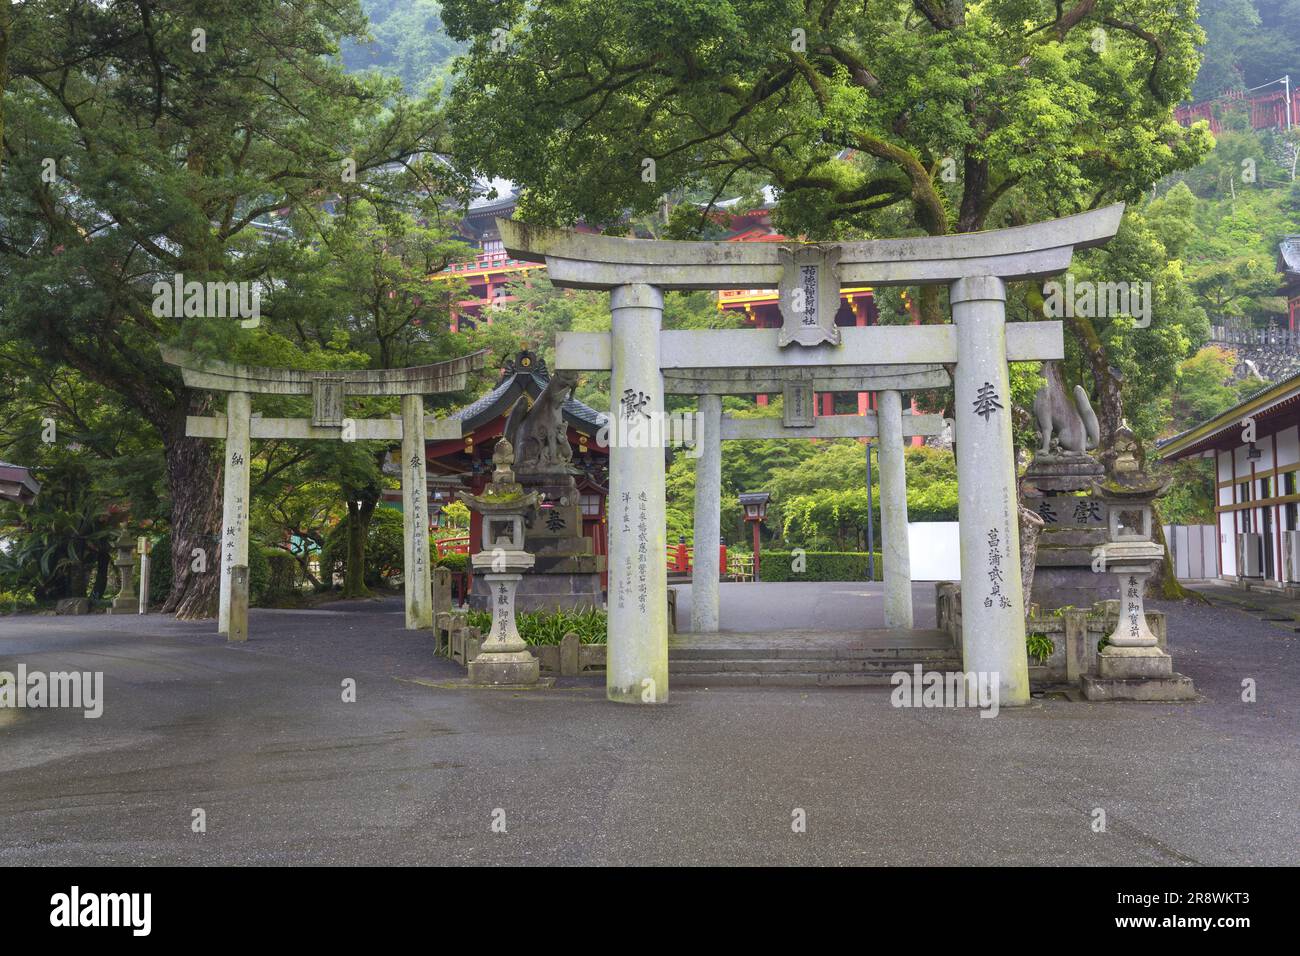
(504, 658)
(755, 505)
(1131, 555)
(126, 602)
(1132, 666)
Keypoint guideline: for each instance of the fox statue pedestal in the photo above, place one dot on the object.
(566, 571)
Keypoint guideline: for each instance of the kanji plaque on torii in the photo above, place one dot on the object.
(809, 295)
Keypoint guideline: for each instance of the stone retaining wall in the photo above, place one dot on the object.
(569, 658)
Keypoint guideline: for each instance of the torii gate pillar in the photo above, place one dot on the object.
(234, 505)
(706, 570)
(415, 519)
(893, 513)
(636, 670)
(992, 605)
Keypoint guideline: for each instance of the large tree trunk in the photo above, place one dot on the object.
(194, 481)
(361, 505)
(1030, 525)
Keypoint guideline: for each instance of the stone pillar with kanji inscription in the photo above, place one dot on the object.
(893, 512)
(234, 504)
(415, 517)
(637, 656)
(705, 572)
(992, 599)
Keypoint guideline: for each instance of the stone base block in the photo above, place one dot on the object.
(129, 605)
(1122, 663)
(490, 669)
(73, 606)
(545, 592)
(1168, 688)
(1070, 586)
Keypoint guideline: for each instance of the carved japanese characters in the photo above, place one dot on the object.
(809, 295)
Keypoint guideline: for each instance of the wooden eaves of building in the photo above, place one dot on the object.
(18, 484)
(1257, 483)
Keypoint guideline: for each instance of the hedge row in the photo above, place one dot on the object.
(816, 566)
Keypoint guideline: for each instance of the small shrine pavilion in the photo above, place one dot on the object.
(465, 463)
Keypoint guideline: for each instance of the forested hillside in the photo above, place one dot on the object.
(1248, 43)
(409, 42)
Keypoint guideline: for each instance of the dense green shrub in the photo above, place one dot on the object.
(384, 548)
(1039, 646)
(817, 566)
(285, 574)
(259, 573)
(549, 627)
(453, 562)
(11, 601)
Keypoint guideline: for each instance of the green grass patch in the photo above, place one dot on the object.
(1040, 646)
(549, 627)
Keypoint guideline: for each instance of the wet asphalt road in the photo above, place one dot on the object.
(259, 738)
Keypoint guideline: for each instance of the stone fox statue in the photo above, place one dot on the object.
(539, 435)
(1074, 427)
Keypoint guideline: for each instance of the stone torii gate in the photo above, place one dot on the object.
(979, 343)
(797, 386)
(329, 391)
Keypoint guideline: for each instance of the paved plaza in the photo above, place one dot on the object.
(416, 769)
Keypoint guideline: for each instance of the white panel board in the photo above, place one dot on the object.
(936, 550)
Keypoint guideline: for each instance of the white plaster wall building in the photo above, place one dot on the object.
(1257, 483)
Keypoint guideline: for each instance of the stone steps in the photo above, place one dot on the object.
(894, 655)
(801, 666)
(753, 678)
(786, 665)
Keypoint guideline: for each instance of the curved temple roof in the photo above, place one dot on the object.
(525, 374)
(17, 483)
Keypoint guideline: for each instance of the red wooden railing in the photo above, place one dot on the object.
(457, 545)
(1267, 109)
(680, 558)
